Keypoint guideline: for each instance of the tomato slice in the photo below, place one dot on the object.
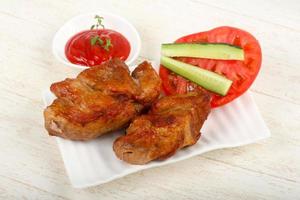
(242, 73)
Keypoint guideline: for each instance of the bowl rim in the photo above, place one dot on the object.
(122, 19)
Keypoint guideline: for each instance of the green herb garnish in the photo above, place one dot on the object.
(99, 22)
(108, 44)
(96, 40)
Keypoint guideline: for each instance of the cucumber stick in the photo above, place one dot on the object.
(205, 78)
(203, 50)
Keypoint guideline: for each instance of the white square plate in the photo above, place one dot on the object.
(94, 162)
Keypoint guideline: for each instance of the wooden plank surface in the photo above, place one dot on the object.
(31, 166)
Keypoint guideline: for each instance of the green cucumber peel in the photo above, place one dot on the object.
(207, 79)
(219, 51)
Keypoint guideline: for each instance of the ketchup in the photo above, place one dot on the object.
(79, 49)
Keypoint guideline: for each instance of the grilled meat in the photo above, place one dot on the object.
(101, 99)
(172, 123)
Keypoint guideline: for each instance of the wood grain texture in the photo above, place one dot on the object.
(31, 166)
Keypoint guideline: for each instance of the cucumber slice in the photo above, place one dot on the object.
(205, 78)
(203, 50)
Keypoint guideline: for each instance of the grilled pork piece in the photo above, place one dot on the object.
(172, 123)
(101, 99)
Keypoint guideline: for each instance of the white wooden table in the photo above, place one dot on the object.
(30, 164)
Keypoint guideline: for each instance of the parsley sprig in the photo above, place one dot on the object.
(96, 40)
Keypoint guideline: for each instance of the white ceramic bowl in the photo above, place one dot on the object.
(84, 22)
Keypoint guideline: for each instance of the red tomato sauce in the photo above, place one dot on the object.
(80, 51)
